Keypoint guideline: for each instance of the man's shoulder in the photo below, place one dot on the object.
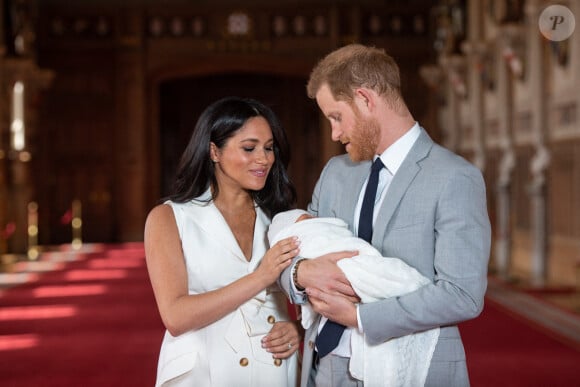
(344, 164)
(342, 170)
(450, 160)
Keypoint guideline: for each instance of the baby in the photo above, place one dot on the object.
(373, 277)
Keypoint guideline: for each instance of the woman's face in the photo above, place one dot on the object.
(245, 160)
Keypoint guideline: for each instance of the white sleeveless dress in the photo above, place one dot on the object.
(227, 352)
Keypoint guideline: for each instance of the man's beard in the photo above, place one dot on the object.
(364, 139)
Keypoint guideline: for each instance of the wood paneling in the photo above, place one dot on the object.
(124, 96)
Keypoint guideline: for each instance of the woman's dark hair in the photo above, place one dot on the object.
(218, 122)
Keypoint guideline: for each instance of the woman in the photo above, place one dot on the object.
(206, 250)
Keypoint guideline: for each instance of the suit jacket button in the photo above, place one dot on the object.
(271, 319)
(244, 362)
(311, 344)
(277, 362)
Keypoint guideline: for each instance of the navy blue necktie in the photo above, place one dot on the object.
(365, 223)
(329, 336)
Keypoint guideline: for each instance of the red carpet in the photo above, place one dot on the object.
(93, 322)
(504, 349)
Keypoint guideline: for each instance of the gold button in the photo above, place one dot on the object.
(311, 344)
(244, 362)
(277, 362)
(271, 319)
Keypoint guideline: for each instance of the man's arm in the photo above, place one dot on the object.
(324, 274)
(320, 273)
(286, 282)
(462, 236)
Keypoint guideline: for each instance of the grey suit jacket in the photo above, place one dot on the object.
(434, 218)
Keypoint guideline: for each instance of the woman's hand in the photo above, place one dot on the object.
(277, 258)
(283, 339)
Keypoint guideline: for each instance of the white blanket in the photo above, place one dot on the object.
(402, 361)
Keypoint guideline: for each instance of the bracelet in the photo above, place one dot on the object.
(295, 275)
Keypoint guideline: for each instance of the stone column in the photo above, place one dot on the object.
(474, 50)
(455, 90)
(541, 158)
(503, 246)
(20, 193)
(131, 134)
(20, 183)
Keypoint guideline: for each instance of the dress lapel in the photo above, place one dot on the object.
(210, 219)
(260, 243)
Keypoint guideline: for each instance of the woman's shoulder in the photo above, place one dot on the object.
(168, 210)
(187, 209)
(160, 212)
(160, 218)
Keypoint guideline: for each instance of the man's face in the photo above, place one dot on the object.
(364, 138)
(358, 134)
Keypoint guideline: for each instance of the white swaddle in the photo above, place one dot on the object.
(402, 361)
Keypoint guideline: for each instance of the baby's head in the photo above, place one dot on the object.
(303, 217)
(285, 219)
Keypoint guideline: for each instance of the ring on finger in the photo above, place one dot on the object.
(289, 345)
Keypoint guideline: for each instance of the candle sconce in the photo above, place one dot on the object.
(33, 250)
(77, 223)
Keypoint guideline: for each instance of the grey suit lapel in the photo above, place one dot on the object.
(352, 189)
(400, 183)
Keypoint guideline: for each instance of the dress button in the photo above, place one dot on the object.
(244, 362)
(271, 319)
(311, 344)
(277, 362)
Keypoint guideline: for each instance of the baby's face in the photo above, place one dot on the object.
(303, 217)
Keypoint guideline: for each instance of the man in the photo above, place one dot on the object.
(429, 210)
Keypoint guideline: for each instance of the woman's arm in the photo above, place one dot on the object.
(180, 311)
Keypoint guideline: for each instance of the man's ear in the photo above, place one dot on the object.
(364, 99)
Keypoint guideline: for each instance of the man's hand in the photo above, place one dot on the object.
(333, 306)
(324, 274)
